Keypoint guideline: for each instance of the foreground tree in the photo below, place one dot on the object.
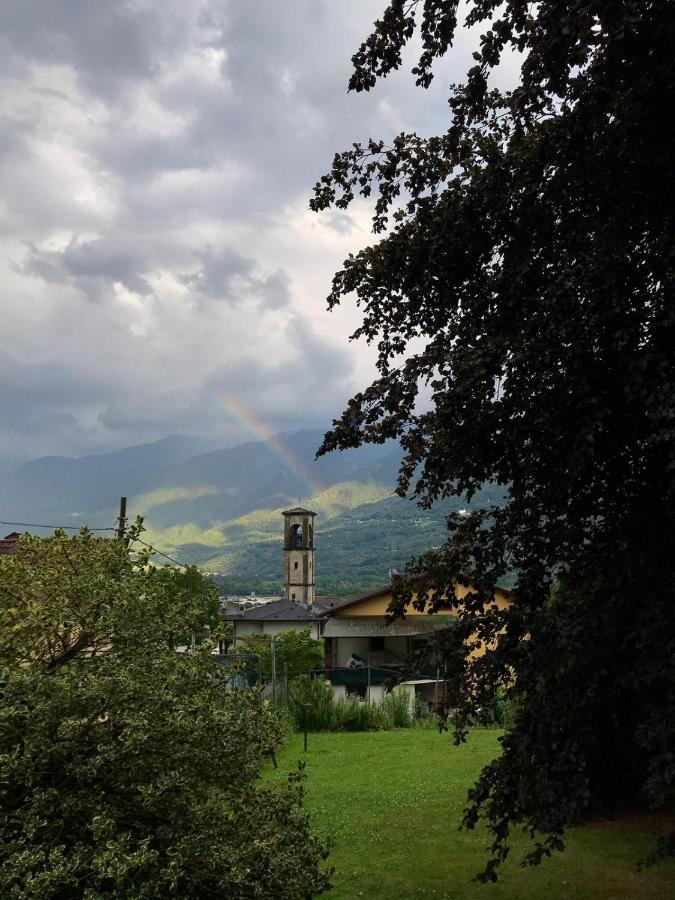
(127, 769)
(529, 256)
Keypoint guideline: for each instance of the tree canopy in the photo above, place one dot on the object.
(128, 768)
(524, 282)
(295, 651)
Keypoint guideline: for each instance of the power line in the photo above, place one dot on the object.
(159, 553)
(64, 527)
(79, 527)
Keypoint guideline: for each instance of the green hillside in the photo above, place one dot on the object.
(362, 531)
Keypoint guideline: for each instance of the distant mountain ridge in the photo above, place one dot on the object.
(180, 480)
(65, 490)
(221, 509)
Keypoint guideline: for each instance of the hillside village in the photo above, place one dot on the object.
(366, 653)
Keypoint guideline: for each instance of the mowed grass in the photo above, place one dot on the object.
(392, 802)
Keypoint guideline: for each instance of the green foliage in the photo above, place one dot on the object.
(497, 712)
(295, 651)
(529, 258)
(396, 707)
(311, 701)
(127, 769)
(352, 714)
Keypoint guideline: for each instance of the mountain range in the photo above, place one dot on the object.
(221, 509)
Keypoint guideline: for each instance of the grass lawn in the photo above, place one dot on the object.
(392, 801)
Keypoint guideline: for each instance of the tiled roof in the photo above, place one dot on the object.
(8, 543)
(279, 610)
(298, 511)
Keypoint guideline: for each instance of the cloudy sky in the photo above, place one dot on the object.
(159, 265)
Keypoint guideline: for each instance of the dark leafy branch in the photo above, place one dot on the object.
(528, 252)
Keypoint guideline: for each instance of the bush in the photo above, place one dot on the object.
(297, 650)
(496, 714)
(311, 703)
(396, 707)
(357, 715)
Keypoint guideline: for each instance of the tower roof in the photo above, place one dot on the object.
(298, 511)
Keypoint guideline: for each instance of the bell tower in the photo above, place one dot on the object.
(299, 555)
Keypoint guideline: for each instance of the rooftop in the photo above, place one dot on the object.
(278, 611)
(8, 543)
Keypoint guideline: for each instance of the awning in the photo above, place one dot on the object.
(376, 626)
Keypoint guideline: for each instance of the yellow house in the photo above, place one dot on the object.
(363, 648)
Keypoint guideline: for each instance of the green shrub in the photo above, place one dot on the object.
(311, 703)
(496, 714)
(396, 708)
(429, 722)
(357, 715)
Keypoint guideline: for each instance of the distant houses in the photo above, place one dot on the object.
(8, 543)
(366, 653)
(271, 618)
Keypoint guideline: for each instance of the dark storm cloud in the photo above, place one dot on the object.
(226, 275)
(110, 45)
(40, 398)
(91, 265)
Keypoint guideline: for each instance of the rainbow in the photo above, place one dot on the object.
(247, 418)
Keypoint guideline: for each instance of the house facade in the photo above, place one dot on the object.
(366, 653)
(272, 618)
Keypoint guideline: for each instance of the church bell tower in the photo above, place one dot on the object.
(299, 555)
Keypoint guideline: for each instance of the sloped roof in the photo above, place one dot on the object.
(298, 511)
(282, 610)
(8, 543)
(375, 626)
(327, 605)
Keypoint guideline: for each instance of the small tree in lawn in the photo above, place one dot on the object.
(127, 769)
(295, 649)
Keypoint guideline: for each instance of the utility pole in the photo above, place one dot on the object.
(286, 684)
(122, 520)
(274, 672)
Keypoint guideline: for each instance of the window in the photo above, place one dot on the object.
(376, 643)
(295, 564)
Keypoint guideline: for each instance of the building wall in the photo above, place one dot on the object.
(378, 604)
(377, 693)
(244, 628)
(299, 575)
(346, 646)
(300, 581)
(395, 650)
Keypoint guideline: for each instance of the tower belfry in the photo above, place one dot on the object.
(299, 555)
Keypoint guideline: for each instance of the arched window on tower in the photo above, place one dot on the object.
(296, 535)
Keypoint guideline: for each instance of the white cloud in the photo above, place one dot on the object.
(155, 244)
